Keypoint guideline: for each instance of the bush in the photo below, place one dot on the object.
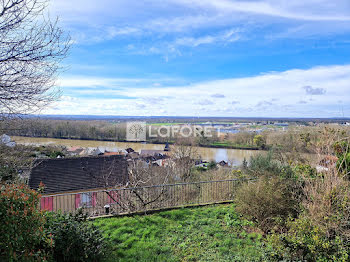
(28, 234)
(321, 232)
(259, 141)
(23, 236)
(305, 241)
(303, 171)
(75, 238)
(268, 201)
(265, 164)
(342, 151)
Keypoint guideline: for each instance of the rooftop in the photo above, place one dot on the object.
(74, 174)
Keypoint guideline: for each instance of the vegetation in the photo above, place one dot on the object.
(28, 234)
(213, 233)
(268, 202)
(23, 236)
(304, 213)
(75, 238)
(229, 144)
(259, 141)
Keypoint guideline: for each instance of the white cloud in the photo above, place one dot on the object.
(113, 31)
(96, 21)
(297, 9)
(270, 94)
(227, 36)
(92, 82)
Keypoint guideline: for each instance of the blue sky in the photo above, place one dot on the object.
(263, 58)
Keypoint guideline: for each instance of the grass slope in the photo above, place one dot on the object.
(213, 233)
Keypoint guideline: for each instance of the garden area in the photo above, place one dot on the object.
(212, 233)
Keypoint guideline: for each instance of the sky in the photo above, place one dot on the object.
(267, 58)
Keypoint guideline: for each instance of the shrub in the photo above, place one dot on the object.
(75, 238)
(212, 165)
(28, 234)
(265, 164)
(342, 151)
(321, 232)
(259, 141)
(305, 241)
(23, 236)
(268, 201)
(303, 171)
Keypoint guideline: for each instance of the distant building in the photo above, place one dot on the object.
(281, 124)
(73, 151)
(107, 153)
(145, 153)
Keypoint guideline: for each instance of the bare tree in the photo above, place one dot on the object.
(184, 155)
(31, 48)
(143, 189)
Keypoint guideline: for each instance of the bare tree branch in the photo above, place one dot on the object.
(31, 48)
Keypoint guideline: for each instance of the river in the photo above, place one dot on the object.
(233, 156)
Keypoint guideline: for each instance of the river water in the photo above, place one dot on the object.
(233, 156)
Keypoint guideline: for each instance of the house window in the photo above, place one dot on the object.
(86, 199)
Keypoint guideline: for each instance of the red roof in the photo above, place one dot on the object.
(112, 153)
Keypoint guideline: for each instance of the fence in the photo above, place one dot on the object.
(142, 199)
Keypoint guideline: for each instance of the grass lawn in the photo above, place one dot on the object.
(212, 233)
(229, 144)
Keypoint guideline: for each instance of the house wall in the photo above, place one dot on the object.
(70, 202)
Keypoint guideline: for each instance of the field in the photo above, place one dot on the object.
(228, 144)
(212, 233)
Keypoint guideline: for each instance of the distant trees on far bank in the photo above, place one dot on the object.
(294, 139)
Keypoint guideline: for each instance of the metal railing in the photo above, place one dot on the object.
(142, 199)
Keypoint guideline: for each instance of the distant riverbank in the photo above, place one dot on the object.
(224, 145)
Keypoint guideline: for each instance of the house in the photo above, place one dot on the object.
(91, 151)
(73, 151)
(107, 153)
(133, 155)
(71, 183)
(158, 153)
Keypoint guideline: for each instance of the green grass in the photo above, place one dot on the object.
(166, 124)
(228, 144)
(213, 233)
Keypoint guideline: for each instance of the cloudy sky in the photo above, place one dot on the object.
(269, 58)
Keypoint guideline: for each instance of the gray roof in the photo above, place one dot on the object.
(81, 173)
(146, 152)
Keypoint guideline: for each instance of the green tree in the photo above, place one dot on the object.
(259, 141)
